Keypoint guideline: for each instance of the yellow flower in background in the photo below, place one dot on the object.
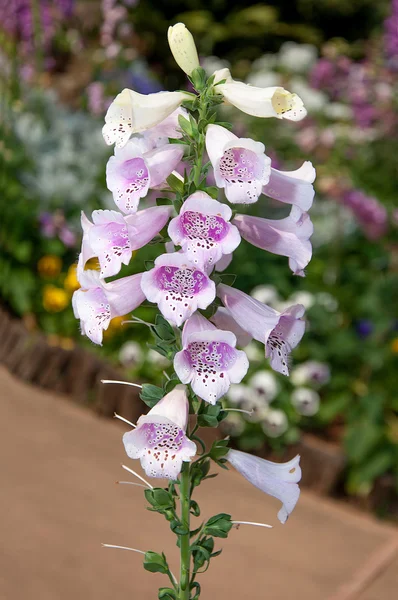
(114, 326)
(71, 283)
(394, 345)
(49, 266)
(54, 299)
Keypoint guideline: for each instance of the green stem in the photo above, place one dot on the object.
(185, 554)
(200, 148)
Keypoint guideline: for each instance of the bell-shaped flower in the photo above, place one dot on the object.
(131, 112)
(287, 237)
(292, 187)
(279, 332)
(240, 165)
(224, 320)
(209, 360)
(279, 480)
(177, 287)
(259, 102)
(203, 231)
(182, 46)
(97, 302)
(132, 171)
(113, 238)
(159, 440)
(159, 135)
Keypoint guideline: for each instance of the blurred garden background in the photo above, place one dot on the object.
(61, 64)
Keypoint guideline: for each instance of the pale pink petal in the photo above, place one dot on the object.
(162, 161)
(292, 187)
(173, 406)
(284, 337)
(128, 181)
(286, 237)
(182, 367)
(277, 480)
(124, 295)
(223, 320)
(216, 139)
(224, 262)
(147, 223)
(92, 307)
(195, 324)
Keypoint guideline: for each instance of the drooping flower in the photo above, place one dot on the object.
(209, 360)
(277, 480)
(159, 135)
(133, 170)
(286, 237)
(259, 102)
(279, 332)
(177, 287)
(113, 238)
(203, 231)
(131, 112)
(159, 440)
(306, 401)
(182, 46)
(223, 320)
(292, 187)
(97, 302)
(311, 372)
(240, 164)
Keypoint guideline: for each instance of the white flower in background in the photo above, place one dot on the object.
(311, 372)
(314, 100)
(298, 58)
(267, 294)
(213, 63)
(238, 393)
(256, 405)
(254, 353)
(156, 359)
(130, 354)
(266, 62)
(338, 111)
(328, 301)
(306, 401)
(182, 46)
(233, 424)
(303, 297)
(265, 385)
(264, 79)
(275, 423)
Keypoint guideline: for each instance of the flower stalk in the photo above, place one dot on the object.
(185, 553)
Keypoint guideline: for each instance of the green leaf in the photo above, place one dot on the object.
(160, 499)
(175, 183)
(194, 507)
(167, 594)
(164, 330)
(178, 528)
(228, 278)
(151, 394)
(155, 563)
(218, 526)
(212, 191)
(185, 125)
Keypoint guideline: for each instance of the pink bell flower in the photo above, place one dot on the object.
(203, 230)
(159, 440)
(133, 170)
(279, 332)
(113, 237)
(178, 287)
(209, 360)
(240, 164)
(292, 187)
(279, 480)
(97, 302)
(287, 237)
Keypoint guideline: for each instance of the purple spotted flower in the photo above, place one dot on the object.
(159, 440)
(203, 230)
(279, 332)
(113, 238)
(178, 287)
(277, 480)
(209, 360)
(97, 302)
(240, 165)
(287, 237)
(134, 169)
(292, 187)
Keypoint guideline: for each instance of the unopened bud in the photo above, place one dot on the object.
(182, 46)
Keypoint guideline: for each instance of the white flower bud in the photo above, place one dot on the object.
(182, 46)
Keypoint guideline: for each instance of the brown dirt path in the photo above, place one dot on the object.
(58, 502)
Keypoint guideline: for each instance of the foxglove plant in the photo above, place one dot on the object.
(151, 135)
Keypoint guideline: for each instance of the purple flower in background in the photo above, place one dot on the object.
(54, 225)
(370, 214)
(364, 328)
(391, 35)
